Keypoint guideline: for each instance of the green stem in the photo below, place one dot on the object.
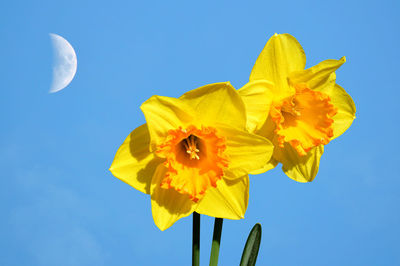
(196, 240)
(216, 241)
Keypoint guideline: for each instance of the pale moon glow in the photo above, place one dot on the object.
(65, 63)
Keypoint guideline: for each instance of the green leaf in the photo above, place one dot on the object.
(252, 246)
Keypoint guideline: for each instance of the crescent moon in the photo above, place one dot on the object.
(65, 63)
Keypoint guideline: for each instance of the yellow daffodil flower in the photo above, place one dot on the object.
(299, 110)
(193, 154)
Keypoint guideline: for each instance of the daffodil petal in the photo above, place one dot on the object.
(168, 205)
(134, 163)
(246, 152)
(270, 165)
(218, 102)
(299, 168)
(164, 114)
(257, 97)
(317, 77)
(281, 55)
(228, 200)
(267, 129)
(346, 109)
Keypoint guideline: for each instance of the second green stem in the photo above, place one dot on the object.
(216, 241)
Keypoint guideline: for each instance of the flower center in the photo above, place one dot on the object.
(195, 159)
(304, 120)
(190, 144)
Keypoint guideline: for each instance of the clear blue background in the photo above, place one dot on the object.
(61, 206)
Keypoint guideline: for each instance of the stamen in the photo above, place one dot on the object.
(191, 147)
(290, 106)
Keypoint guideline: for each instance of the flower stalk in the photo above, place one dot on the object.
(216, 241)
(196, 240)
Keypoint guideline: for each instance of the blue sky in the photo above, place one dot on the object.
(61, 206)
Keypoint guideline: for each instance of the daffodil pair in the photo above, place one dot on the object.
(195, 152)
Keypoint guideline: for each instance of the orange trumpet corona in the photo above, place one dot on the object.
(195, 160)
(305, 120)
